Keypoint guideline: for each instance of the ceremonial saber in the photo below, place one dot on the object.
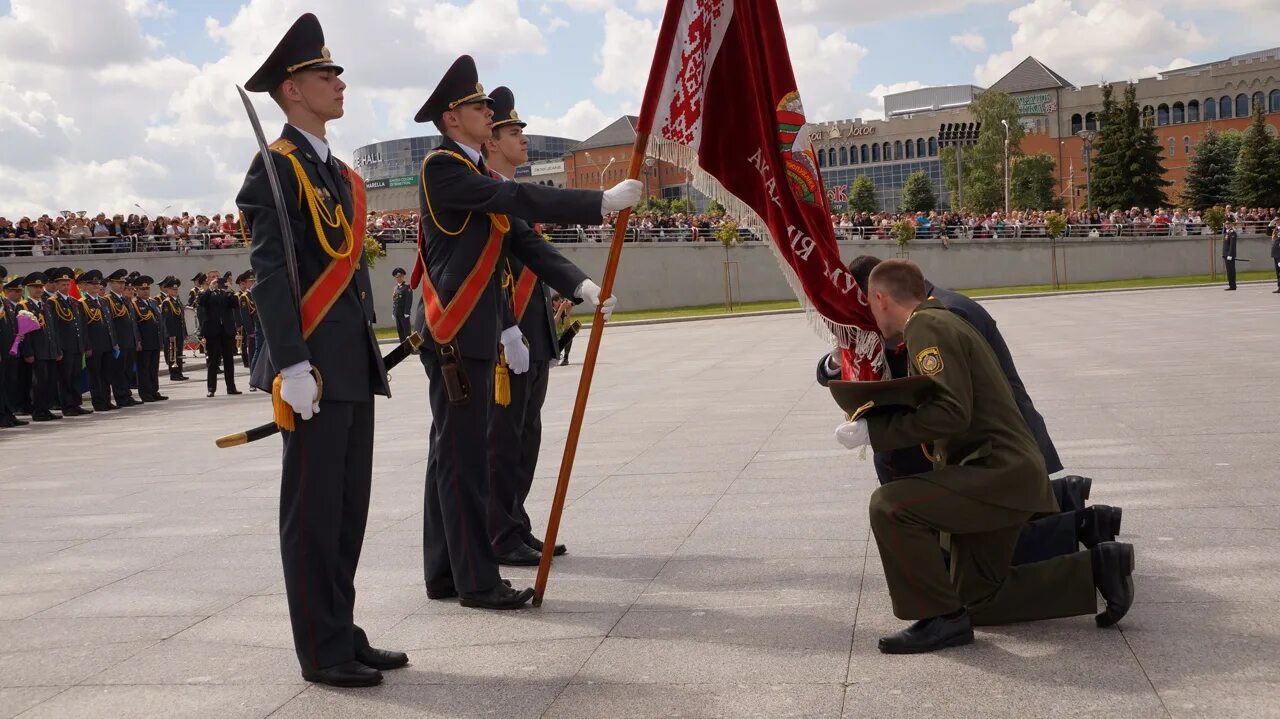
(661, 55)
(391, 359)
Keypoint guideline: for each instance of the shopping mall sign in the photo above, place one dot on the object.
(403, 181)
(1035, 104)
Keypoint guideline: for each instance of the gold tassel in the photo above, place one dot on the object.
(501, 381)
(281, 411)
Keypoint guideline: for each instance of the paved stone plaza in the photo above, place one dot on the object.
(719, 559)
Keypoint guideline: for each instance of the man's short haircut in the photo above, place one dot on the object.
(860, 267)
(439, 123)
(900, 279)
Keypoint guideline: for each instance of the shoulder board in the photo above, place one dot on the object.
(283, 146)
(450, 154)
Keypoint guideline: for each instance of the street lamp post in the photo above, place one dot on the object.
(1006, 167)
(959, 135)
(612, 159)
(1088, 136)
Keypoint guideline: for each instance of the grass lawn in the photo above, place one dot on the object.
(718, 309)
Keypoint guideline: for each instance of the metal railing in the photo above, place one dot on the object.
(1037, 231)
(49, 246)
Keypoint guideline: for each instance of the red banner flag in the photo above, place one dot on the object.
(726, 108)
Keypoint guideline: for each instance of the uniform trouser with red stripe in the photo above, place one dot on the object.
(99, 366)
(324, 505)
(455, 537)
(515, 434)
(69, 395)
(906, 517)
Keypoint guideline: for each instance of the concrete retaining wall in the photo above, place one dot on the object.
(654, 276)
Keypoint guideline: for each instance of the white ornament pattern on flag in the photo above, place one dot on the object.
(702, 29)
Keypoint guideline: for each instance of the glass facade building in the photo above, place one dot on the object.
(396, 162)
(888, 179)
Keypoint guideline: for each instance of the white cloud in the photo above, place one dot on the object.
(1078, 39)
(625, 53)
(878, 93)
(648, 6)
(148, 8)
(457, 29)
(970, 41)
(824, 66)
(555, 24)
(846, 14)
(579, 122)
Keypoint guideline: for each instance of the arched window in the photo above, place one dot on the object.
(920, 147)
(1258, 100)
(1193, 111)
(1090, 121)
(911, 150)
(844, 156)
(1179, 114)
(897, 149)
(1275, 101)
(1077, 123)
(831, 156)
(822, 159)
(1224, 107)
(1173, 147)
(933, 145)
(1186, 146)
(875, 153)
(1242, 105)
(886, 151)
(1211, 109)
(853, 155)
(865, 156)
(1162, 114)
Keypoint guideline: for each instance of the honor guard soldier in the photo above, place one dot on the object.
(248, 320)
(469, 220)
(988, 479)
(328, 435)
(1230, 241)
(401, 304)
(9, 363)
(100, 339)
(515, 430)
(150, 339)
(199, 284)
(216, 309)
(125, 325)
(1275, 253)
(173, 324)
(40, 352)
(68, 319)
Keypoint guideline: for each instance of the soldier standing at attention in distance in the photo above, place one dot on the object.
(328, 437)
(173, 323)
(401, 304)
(149, 337)
(469, 219)
(101, 335)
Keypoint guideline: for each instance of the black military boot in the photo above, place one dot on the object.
(1074, 490)
(929, 635)
(1113, 576)
(1097, 524)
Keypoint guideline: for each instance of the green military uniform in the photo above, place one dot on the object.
(989, 478)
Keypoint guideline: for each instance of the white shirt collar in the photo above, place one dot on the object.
(471, 153)
(320, 146)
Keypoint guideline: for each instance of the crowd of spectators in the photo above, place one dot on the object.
(73, 234)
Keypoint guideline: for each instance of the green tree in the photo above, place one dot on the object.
(679, 205)
(1127, 166)
(984, 162)
(1257, 176)
(1212, 170)
(1032, 183)
(715, 208)
(917, 193)
(1106, 176)
(862, 195)
(1146, 159)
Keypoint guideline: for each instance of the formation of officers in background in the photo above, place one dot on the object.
(66, 333)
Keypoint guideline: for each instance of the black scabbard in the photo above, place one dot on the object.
(391, 359)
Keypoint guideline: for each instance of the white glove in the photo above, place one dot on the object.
(516, 351)
(590, 292)
(1228, 259)
(621, 196)
(299, 389)
(853, 434)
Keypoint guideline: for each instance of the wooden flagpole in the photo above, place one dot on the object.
(657, 74)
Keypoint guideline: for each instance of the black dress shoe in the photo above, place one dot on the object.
(500, 597)
(1275, 292)
(234, 391)
(1230, 289)
(1077, 490)
(1113, 576)
(930, 635)
(5, 423)
(346, 674)
(536, 545)
(521, 556)
(157, 398)
(179, 378)
(445, 589)
(44, 417)
(209, 395)
(379, 659)
(130, 402)
(1097, 524)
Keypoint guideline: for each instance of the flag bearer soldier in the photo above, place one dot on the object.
(328, 435)
(468, 219)
(173, 324)
(100, 338)
(125, 325)
(40, 351)
(8, 363)
(68, 320)
(1230, 241)
(150, 338)
(515, 431)
(989, 479)
(401, 303)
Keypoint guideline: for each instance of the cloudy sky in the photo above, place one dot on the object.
(105, 104)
